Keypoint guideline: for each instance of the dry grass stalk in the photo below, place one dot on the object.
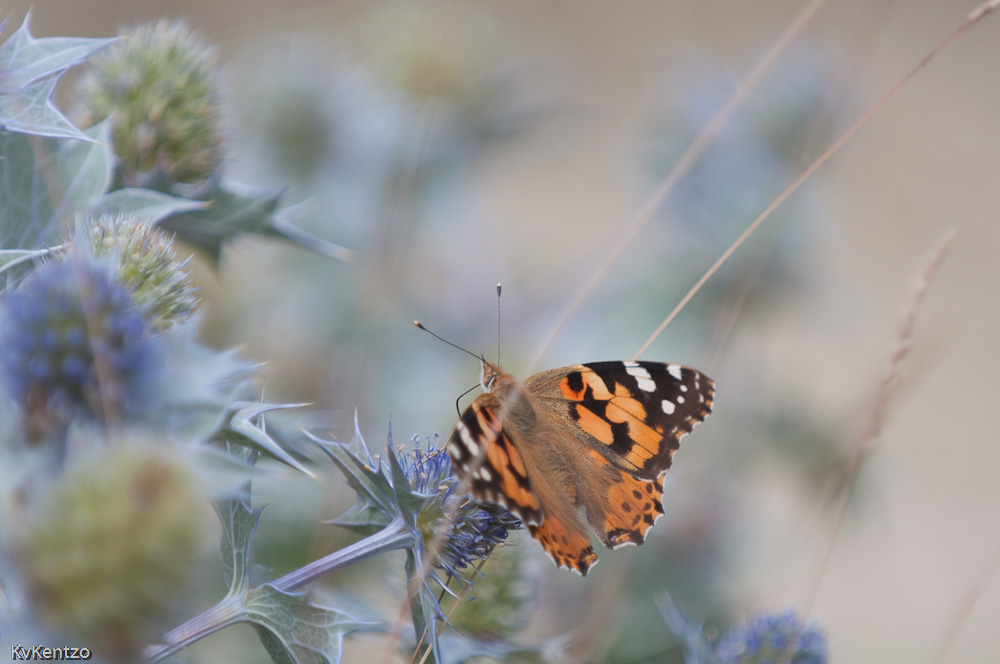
(878, 414)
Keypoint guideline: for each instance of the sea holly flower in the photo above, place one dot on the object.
(767, 638)
(475, 528)
(773, 637)
(73, 344)
(407, 499)
(417, 486)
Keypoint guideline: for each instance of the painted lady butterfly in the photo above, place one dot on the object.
(597, 435)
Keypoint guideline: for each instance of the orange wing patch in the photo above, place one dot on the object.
(624, 407)
(482, 451)
(632, 439)
(593, 424)
(627, 510)
(575, 387)
(503, 460)
(599, 410)
(647, 440)
(620, 407)
(567, 546)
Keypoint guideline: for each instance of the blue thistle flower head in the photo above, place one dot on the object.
(773, 637)
(477, 529)
(74, 345)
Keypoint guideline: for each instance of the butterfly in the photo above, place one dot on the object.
(598, 436)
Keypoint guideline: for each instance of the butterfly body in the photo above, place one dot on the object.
(597, 435)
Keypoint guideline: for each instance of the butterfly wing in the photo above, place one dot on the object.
(597, 435)
(632, 413)
(481, 450)
(621, 508)
(486, 449)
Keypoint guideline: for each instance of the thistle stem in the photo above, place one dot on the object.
(396, 535)
(232, 609)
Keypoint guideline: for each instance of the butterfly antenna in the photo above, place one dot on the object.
(498, 323)
(421, 326)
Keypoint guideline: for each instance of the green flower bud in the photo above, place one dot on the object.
(422, 66)
(157, 86)
(501, 597)
(113, 550)
(473, 96)
(146, 265)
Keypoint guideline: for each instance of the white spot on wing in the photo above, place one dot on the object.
(463, 433)
(680, 399)
(642, 378)
(668, 407)
(674, 370)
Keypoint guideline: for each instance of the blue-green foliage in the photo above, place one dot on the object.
(84, 370)
(29, 71)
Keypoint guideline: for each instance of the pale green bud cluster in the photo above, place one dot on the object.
(108, 555)
(147, 265)
(158, 87)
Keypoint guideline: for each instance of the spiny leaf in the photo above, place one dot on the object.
(284, 228)
(29, 71)
(239, 523)
(197, 385)
(234, 210)
(16, 262)
(425, 609)
(86, 168)
(145, 204)
(30, 111)
(248, 432)
(383, 490)
(374, 508)
(45, 183)
(409, 501)
(296, 631)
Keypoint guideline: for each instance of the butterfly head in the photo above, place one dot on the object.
(491, 377)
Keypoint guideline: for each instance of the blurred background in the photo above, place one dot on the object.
(454, 145)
